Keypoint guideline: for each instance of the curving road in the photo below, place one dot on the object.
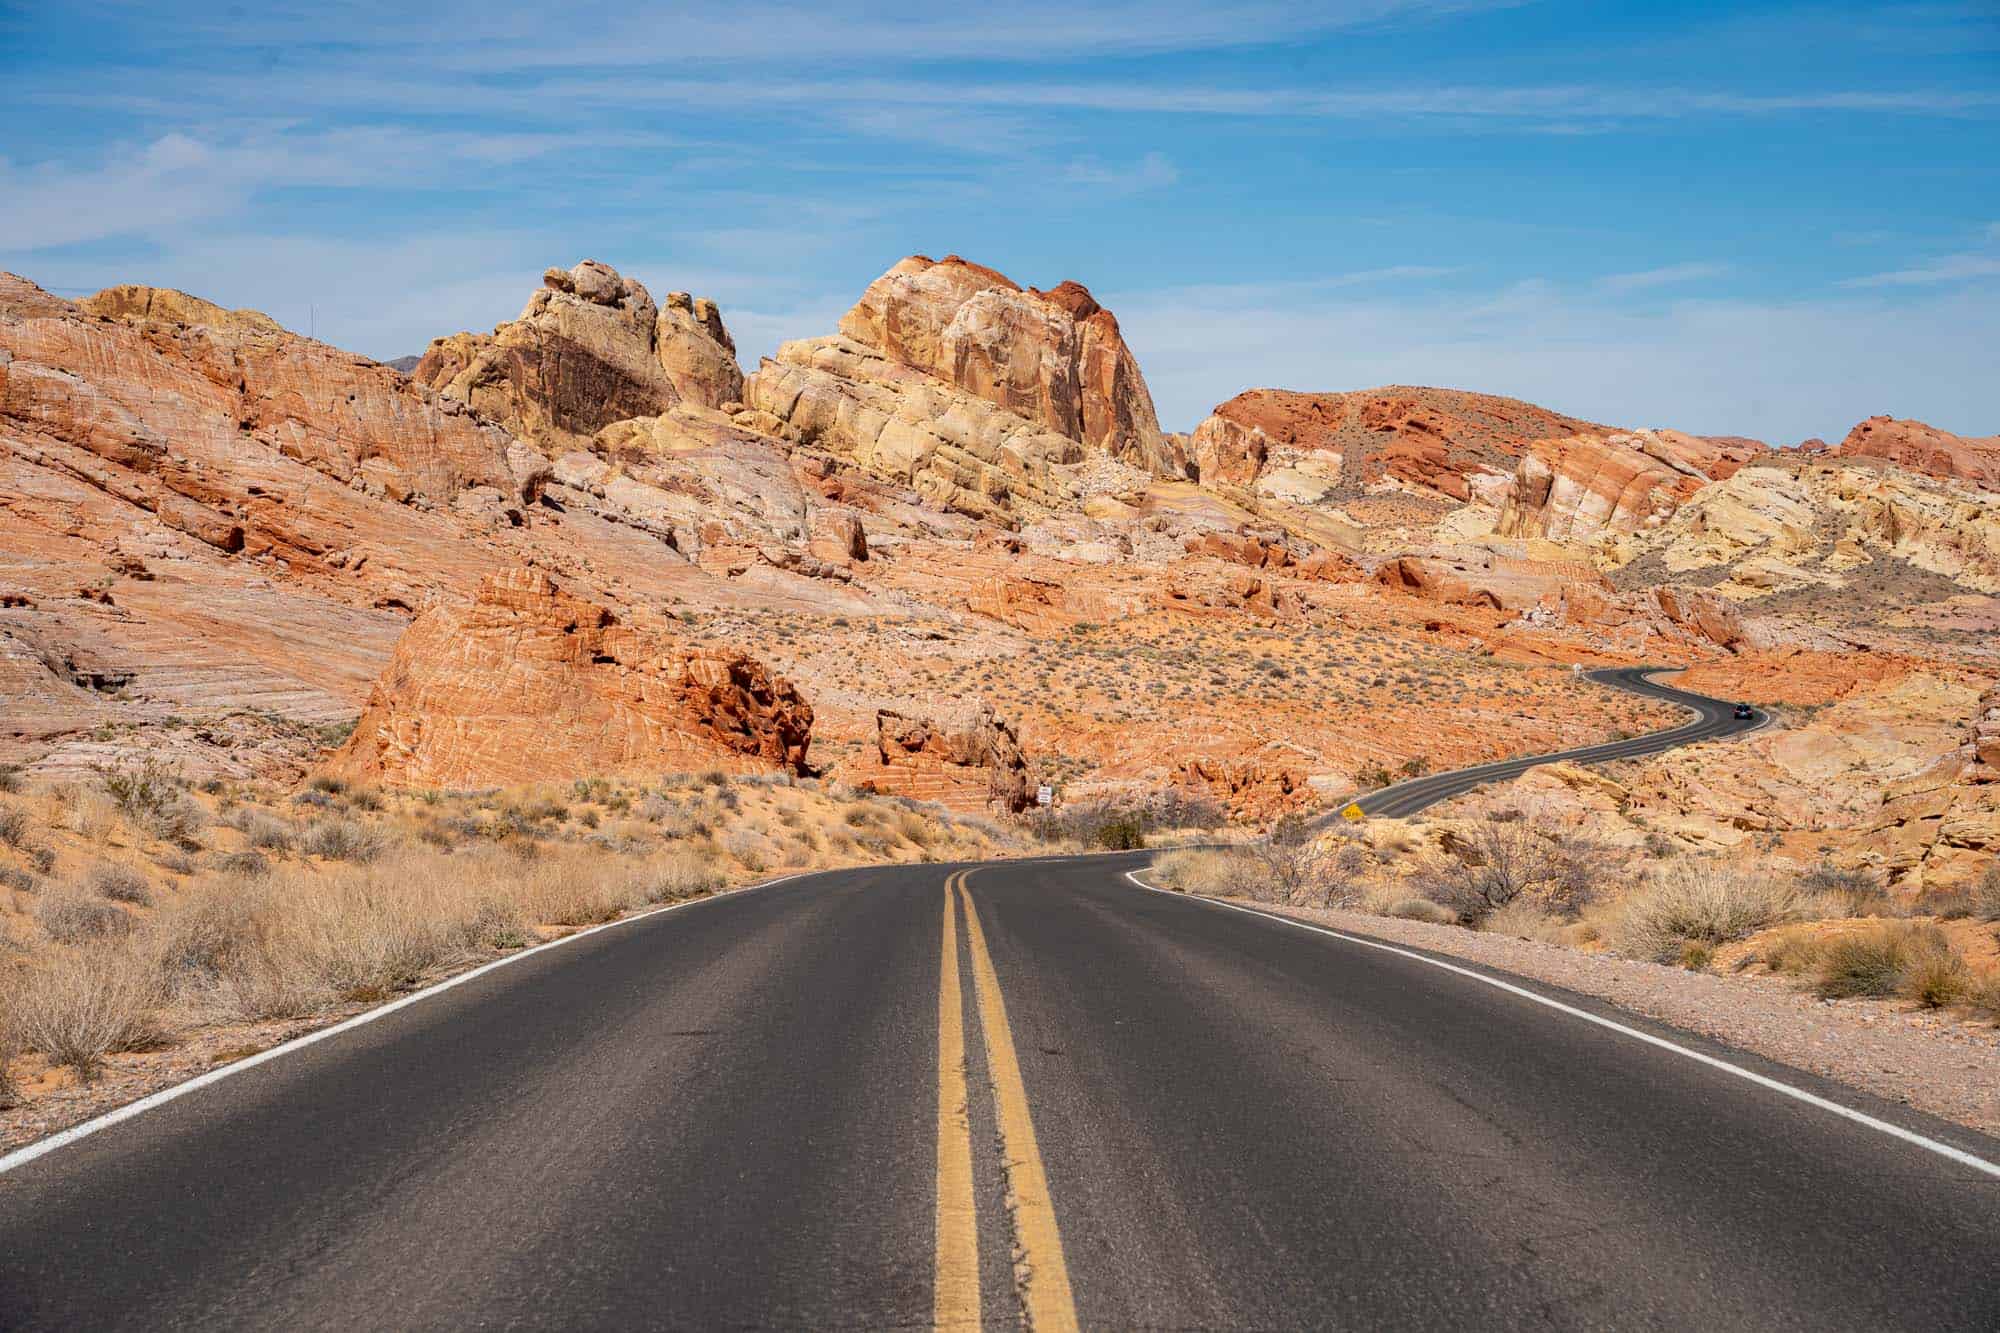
(1714, 719)
(935, 1096)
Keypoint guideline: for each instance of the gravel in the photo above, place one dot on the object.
(1931, 1060)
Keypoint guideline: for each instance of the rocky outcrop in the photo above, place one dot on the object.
(1826, 524)
(966, 759)
(528, 682)
(1922, 448)
(1437, 440)
(590, 348)
(1575, 488)
(223, 426)
(982, 396)
(1055, 357)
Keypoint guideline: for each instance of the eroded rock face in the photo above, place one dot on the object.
(1054, 357)
(528, 682)
(589, 349)
(981, 395)
(250, 439)
(1438, 440)
(1771, 528)
(968, 758)
(1575, 488)
(1922, 448)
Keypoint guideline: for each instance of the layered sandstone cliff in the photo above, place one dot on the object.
(528, 682)
(590, 348)
(1574, 488)
(963, 756)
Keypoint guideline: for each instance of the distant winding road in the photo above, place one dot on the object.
(1714, 718)
(933, 1096)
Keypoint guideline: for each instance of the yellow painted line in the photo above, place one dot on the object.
(956, 1304)
(1045, 1290)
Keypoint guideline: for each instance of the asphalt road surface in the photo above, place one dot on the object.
(938, 1096)
(1714, 719)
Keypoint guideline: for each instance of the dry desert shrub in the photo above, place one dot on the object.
(1695, 902)
(335, 839)
(1420, 909)
(79, 1006)
(69, 917)
(1211, 871)
(119, 882)
(680, 874)
(1892, 959)
(14, 824)
(262, 830)
(1507, 857)
(1828, 891)
(1525, 920)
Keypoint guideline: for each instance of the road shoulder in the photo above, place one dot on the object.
(1932, 1064)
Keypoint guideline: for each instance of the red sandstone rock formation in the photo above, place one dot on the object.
(528, 683)
(969, 759)
(1922, 448)
(1437, 439)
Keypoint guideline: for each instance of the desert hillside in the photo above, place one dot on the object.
(945, 550)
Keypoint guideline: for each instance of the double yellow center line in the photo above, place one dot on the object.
(1041, 1275)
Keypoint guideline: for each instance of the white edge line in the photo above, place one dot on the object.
(42, 1147)
(1958, 1155)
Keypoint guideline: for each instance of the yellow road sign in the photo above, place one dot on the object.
(1354, 812)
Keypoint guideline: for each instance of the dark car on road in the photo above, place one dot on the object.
(1744, 712)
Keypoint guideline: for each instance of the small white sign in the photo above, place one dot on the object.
(1045, 795)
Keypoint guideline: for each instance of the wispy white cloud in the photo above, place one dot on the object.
(1950, 269)
(1662, 277)
(1154, 171)
(179, 178)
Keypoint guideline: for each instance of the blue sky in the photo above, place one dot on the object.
(1753, 219)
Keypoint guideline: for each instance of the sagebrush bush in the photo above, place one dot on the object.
(341, 840)
(119, 882)
(14, 824)
(68, 917)
(1697, 901)
(263, 830)
(78, 1007)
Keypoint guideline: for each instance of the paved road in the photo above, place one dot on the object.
(1714, 718)
(847, 1101)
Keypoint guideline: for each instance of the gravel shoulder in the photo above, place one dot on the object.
(1930, 1061)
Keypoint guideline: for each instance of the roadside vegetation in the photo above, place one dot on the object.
(137, 913)
(1834, 931)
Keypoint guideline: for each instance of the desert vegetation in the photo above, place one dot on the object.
(137, 911)
(1835, 931)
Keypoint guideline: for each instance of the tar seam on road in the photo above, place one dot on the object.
(1909, 1136)
(1041, 1271)
(956, 1302)
(41, 1147)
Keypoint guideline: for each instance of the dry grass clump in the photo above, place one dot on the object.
(14, 824)
(262, 830)
(1212, 871)
(153, 799)
(1527, 921)
(1889, 960)
(1419, 909)
(1829, 891)
(1696, 903)
(1509, 857)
